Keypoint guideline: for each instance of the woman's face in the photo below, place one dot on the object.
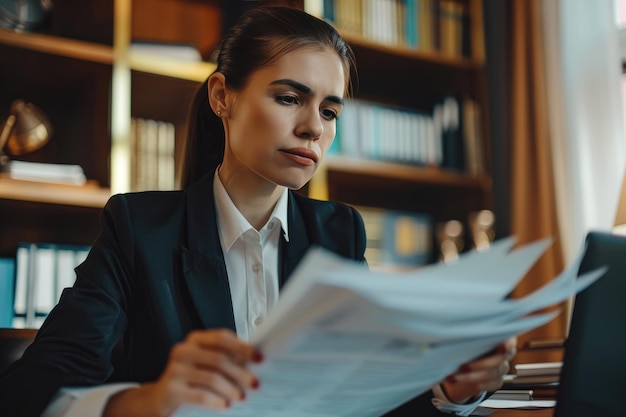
(281, 124)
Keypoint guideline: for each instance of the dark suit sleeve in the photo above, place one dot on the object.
(420, 406)
(360, 238)
(74, 345)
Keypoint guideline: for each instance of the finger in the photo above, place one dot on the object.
(191, 356)
(510, 348)
(484, 363)
(211, 381)
(206, 399)
(227, 341)
(484, 379)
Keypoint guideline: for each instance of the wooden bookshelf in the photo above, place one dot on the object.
(80, 70)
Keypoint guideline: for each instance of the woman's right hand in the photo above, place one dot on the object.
(208, 369)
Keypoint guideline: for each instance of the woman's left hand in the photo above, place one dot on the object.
(483, 374)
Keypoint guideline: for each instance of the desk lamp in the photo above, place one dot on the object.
(26, 130)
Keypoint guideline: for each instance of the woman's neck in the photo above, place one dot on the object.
(253, 196)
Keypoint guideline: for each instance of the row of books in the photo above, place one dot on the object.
(398, 239)
(33, 281)
(153, 165)
(449, 136)
(430, 25)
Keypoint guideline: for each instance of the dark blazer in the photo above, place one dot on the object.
(155, 273)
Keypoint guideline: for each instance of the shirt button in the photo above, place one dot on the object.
(256, 268)
(258, 321)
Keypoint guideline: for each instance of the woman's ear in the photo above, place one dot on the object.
(217, 94)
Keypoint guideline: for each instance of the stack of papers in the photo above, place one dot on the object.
(535, 373)
(45, 172)
(347, 341)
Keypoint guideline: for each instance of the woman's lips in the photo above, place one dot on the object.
(304, 156)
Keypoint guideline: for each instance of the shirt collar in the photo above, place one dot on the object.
(231, 222)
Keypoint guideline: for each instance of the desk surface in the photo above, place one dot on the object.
(542, 412)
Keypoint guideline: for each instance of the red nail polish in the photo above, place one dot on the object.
(258, 357)
(451, 379)
(255, 384)
(465, 368)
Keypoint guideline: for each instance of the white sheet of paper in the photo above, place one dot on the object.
(345, 341)
(518, 404)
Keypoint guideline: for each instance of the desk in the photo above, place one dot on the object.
(542, 412)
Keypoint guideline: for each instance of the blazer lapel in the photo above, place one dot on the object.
(293, 251)
(203, 261)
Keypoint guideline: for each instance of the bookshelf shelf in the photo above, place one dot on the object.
(54, 45)
(398, 54)
(425, 176)
(184, 70)
(89, 195)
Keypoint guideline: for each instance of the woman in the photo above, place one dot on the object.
(178, 281)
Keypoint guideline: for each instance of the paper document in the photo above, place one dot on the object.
(526, 405)
(346, 341)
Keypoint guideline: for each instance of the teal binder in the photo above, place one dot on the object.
(7, 291)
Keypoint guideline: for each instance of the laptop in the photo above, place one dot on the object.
(593, 376)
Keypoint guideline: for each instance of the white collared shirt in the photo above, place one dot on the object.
(251, 259)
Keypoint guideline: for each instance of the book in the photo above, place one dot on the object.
(178, 51)
(530, 380)
(452, 140)
(7, 291)
(407, 238)
(513, 394)
(396, 239)
(540, 368)
(552, 343)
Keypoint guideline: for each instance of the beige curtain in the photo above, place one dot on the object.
(533, 208)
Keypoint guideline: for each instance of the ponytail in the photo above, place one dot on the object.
(204, 147)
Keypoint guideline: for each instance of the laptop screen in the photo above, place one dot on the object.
(594, 362)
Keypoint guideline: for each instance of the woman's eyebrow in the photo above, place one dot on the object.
(305, 89)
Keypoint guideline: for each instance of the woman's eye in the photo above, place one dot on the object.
(329, 114)
(287, 99)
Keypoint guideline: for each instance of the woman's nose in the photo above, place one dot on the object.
(310, 126)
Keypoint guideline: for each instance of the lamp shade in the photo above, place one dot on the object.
(26, 130)
(24, 14)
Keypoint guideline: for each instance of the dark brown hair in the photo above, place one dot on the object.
(260, 37)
